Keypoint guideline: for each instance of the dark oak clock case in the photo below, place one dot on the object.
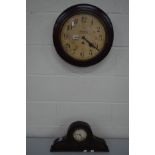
(69, 144)
(88, 9)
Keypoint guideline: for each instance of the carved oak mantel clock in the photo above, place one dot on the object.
(83, 35)
(79, 138)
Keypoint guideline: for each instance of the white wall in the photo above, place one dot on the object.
(58, 93)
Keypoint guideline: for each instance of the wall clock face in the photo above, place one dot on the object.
(83, 35)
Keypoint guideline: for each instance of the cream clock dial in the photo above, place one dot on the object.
(83, 35)
(80, 135)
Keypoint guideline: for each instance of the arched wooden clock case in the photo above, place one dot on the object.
(69, 143)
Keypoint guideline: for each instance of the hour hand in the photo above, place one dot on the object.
(90, 44)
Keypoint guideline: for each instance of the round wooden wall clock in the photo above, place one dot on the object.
(83, 35)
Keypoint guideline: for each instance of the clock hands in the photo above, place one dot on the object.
(90, 44)
(79, 136)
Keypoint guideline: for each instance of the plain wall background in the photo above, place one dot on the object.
(58, 93)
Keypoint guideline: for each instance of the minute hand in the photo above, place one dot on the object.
(90, 44)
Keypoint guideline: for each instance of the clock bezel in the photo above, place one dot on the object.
(87, 9)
